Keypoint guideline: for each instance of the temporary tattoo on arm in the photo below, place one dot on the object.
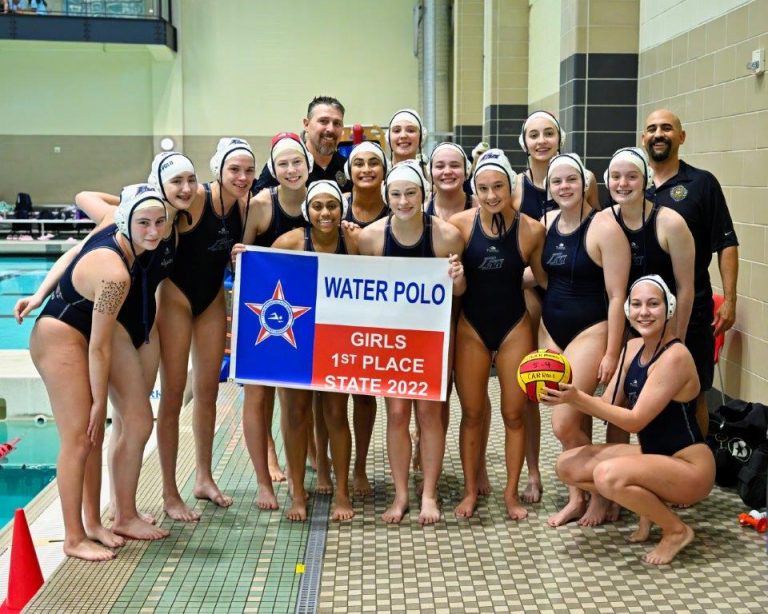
(110, 297)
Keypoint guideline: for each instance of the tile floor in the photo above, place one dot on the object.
(245, 560)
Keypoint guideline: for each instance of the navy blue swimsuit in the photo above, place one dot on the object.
(280, 223)
(203, 253)
(341, 247)
(535, 203)
(350, 216)
(66, 303)
(430, 209)
(140, 307)
(575, 298)
(493, 303)
(675, 427)
(421, 249)
(648, 257)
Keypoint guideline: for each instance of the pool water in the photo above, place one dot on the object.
(30, 467)
(19, 277)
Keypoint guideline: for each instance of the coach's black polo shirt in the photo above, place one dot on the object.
(696, 195)
(333, 172)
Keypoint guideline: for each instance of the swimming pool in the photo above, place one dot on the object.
(30, 467)
(19, 277)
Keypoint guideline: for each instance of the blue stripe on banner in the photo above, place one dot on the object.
(276, 318)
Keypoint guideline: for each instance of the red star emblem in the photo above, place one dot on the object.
(277, 316)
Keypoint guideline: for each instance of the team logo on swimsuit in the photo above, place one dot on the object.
(341, 178)
(223, 243)
(277, 316)
(678, 193)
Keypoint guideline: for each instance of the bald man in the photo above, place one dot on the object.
(697, 196)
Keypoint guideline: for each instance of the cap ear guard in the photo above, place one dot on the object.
(637, 152)
(560, 133)
(497, 160)
(451, 145)
(398, 169)
(586, 178)
(324, 186)
(422, 130)
(669, 299)
(226, 147)
(348, 163)
(308, 158)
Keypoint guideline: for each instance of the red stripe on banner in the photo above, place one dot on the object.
(378, 361)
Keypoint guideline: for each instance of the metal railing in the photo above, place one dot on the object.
(122, 9)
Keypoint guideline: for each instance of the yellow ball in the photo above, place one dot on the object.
(542, 369)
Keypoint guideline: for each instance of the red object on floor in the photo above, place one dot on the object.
(25, 577)
(7, 448)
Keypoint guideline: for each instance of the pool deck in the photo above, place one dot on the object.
(245, 560)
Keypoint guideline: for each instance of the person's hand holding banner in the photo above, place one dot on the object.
(355, 324)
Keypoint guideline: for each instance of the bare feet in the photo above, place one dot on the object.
(136, 528)
(323, 485)
(342, 507)
(395, 512)
(614, 512)
(360, 484)
(298, 510)
(483, 485)
(176, 508)
(265, 499)
(211, 492)
(533, 490)
(101, 534)
(514, 508)
(275, 472)
(145, 517)
(671, 543)
(597, 512)
(643, 531)
(466, 508)
(573, 510)
(430, 511)
(88, 551)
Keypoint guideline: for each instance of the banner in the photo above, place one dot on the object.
(357, 324)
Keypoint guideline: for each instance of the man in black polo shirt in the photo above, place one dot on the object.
(697, 196)
(322, 129)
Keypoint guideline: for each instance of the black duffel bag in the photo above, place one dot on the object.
(736, 430)
(753, 479)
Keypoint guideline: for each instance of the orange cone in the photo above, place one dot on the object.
(25, 577)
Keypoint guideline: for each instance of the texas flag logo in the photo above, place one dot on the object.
(277, 316)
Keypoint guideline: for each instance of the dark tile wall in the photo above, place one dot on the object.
(598, 106)
(502, 125)
(467, 136)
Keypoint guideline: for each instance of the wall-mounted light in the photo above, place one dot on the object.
(166, 143)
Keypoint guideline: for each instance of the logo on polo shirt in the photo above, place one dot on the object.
(341, 178)
(678, 193)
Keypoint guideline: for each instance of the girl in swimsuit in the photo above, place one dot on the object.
(270, 214)
(366, 168)
(586, 258)
(494, 325)
(659, 238)
(541, 138)
(72, 345)
(173, 175)
(192, 316)
(655, 397)
(323, 211)
(409, 233)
